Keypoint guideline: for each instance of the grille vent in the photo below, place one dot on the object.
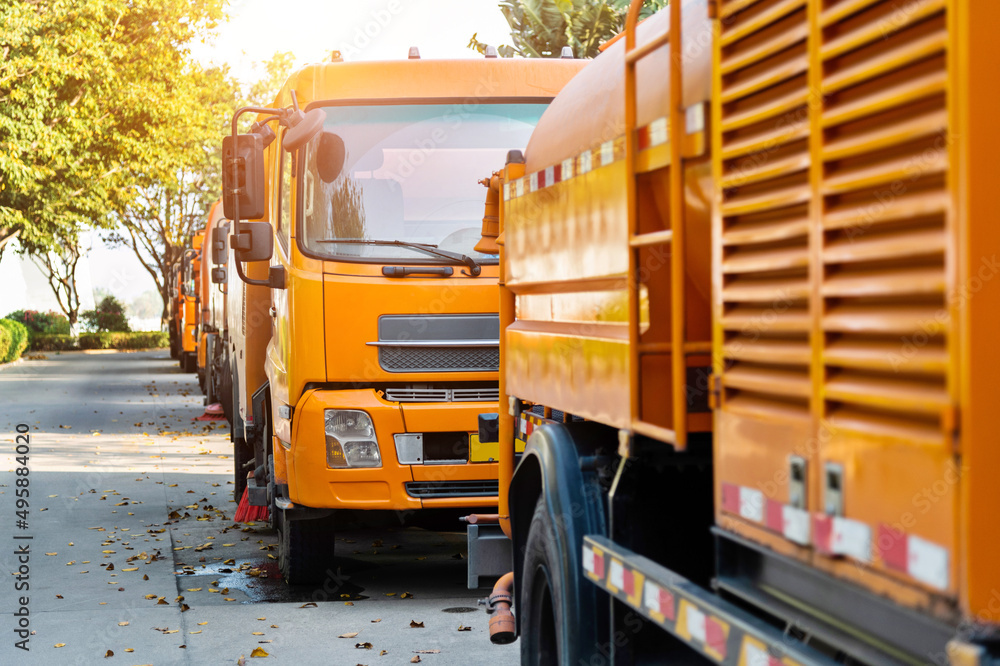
(439, 359)
(765, 206)
(442, 394)
(429, 489)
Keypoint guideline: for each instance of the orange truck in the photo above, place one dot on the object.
(363, 324)
(213, 364)
(175, 308)
(750, 341)
(188, 305)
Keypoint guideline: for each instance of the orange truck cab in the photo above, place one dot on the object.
(175, 308)
(190, 275)
(364, 343)
(749, 340)
(214, 328)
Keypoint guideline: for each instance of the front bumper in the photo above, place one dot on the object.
(393, 486)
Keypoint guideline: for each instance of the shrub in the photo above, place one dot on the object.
(18, 339)
(108, 316)
(5, 342)
(41, 322)
(124, 340)
(52, 342)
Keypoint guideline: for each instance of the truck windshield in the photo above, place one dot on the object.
(406, 173)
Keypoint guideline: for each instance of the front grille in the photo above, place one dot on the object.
(439, 359)
(431, 489)
(442, 394)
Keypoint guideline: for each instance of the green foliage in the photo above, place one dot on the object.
(541, 28)
(109, 315)
(41, 322)
(18, 335)
(52, 342)
(6, 343)
(132, 340)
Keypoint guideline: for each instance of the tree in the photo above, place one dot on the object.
(109, 315)
(541, 28)
(99, 102)
(172, 203)
(58, 264)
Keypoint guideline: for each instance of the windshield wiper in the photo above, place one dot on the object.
(426, 248)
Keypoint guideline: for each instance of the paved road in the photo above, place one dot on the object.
(130, 509)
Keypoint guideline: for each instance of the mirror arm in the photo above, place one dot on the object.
(250, 281)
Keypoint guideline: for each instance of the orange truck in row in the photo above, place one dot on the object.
(749, 340)
(363, 329)
(750, 343)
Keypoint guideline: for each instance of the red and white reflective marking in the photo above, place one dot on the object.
(658, 600)
(754, 655)
(593, 562)
(836, 535)
(609, 152)
(922, 560)
(919, 558)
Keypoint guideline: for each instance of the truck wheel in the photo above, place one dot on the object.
(305, 550)
(541, 593)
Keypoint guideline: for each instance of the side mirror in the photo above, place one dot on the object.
(220, 249)
(255, 242)
(243, 176)
(330, 156)
(219, 275)
(302, 130)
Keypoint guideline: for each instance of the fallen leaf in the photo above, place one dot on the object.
(109, 653)
(194, 589)
(59, 596)
(383, 653)
(195, 632)
(257, 633)
(162, 602)
(130, 649)
(259, 652)
(123, 624)
(202, 624)
(50, 554)
(406, 595)
(131, 569)
(348, 603)
(311, 604)
(376, 620)
(350, 635)
(170, 631)
(416, 625)
(228, 599)
(462, 627)
(415, 660)
(363, 646)
(59, 645)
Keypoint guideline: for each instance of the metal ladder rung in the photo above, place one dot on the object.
(690, 348)
(652, 238)
(654, 431)
(641, 52)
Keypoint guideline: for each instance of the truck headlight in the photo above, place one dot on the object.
(350, 439)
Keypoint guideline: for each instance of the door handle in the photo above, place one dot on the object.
(271, 311)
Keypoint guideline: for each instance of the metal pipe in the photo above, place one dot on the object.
(481, 519)
(502, 627)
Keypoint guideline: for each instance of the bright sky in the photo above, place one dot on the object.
(360, 29)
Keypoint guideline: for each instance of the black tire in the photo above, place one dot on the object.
(305, 550)
(540, 594)
(189, 362)
(242, 453)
